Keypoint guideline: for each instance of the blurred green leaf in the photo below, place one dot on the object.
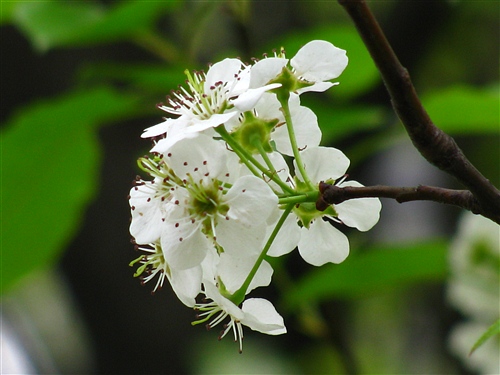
(55, 24)
(6, 11)
(360, 74)
(375, 270)
(493, 330)
(337, 120)
(49, 24)
(50, 164)
(465, 109)
(153, 78)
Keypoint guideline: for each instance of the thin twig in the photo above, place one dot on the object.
(436, 146)
(331, 194)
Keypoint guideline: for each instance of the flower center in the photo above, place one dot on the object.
(207, 205)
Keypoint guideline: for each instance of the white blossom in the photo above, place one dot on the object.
(319, 242)
(315, 64)
(210, 100)
(256, 313)
(185, 283)
(211, 206)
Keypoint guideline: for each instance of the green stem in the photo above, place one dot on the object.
(258, 145)
(238, 296)
(263, 153)
(310, 196)
(293, 140)
(250, 161)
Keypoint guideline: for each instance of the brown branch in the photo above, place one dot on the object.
(436, 146)
(331, 194)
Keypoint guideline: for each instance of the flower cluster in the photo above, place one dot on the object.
(233, 179)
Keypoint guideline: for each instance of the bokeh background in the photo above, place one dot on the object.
(79, 83)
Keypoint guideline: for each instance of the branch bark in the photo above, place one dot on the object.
(331, 194)
(436, 146)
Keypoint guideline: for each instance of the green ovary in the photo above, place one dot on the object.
(255, 133)
(206, 205)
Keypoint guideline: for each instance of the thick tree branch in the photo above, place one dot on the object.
(331, 194)
(436, 146)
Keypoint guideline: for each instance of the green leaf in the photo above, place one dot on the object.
(54, 24)
(375, 270)
(337, 121)
(465, 109)
(360, 74)
(153, 78)
(493, 330)
(50, 164)
(6, 11)
(49, 24)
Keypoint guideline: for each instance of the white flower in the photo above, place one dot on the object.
(147, 201)
(319, 242)
(185, 283)
(213, 205)
(210, 100)
(314, 64)
(256, 313)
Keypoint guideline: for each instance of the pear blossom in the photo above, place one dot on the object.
(221, 196)
(147, 201)
(313, 66)
(318, 241)
(256, 313)
(213, 205)
(210, 100)
(185, 283)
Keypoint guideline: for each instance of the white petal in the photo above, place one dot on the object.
(212, 122)
(186, 284)
(238, 239)
(306, 129)
(209, 264)
(222, 71)
(287, 239)
(317, 87)
(213, 293)
(265, 70)
(261, 316)
(176, 132)
(318, 61)
(250, 200)
(247, 100)
(269, 107)
(184, 246)
(241, 83)
(323, 163)
(146, 225)
(159, 129)
(197, 157)
(322, 243)
(234, 270)
(362, 213)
